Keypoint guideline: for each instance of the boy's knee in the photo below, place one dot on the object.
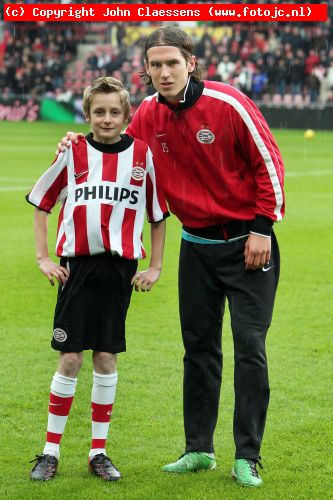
(70, 363)
(104, 362)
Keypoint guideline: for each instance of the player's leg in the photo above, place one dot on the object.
(61, 397)
(102, 400)
(74, 318)
(251, 297)
(70, 363)
(115, 282)
(201, 302)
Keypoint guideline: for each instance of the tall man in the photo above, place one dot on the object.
(222, 175)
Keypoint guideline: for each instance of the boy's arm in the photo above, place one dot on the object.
(45, 264)
(144, 280)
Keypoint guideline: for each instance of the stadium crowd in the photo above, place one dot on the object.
(35, 58)
(272, 62)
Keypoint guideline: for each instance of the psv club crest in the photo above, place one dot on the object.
(59, 335)
(138, 172)
(205, 136)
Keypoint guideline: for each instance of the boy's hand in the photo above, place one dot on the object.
(52, 270)
(144, 280)
(66, 141)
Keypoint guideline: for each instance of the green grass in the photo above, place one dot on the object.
(147, 428)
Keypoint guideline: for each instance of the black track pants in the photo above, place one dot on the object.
(207, 275)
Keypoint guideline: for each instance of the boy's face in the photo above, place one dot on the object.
(169, 71)
(106, 117)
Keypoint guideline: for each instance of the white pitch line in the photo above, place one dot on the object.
(309, 172)
(13, 188)
(15, 179)
(23, 148)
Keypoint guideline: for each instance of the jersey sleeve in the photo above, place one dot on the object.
(156, 205)
(262, 153)
(52, 186)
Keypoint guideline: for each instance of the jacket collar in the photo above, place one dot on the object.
(192, 92)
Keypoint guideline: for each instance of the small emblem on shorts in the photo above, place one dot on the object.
(205, 136)
(59, 335)
(138, 173)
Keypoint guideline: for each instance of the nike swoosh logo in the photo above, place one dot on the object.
(160, 135)
(265, 269)
(55, 404)
(80, 174)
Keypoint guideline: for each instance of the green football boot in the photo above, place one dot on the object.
(191, 461)
(245, 472)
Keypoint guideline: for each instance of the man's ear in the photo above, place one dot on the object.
(191, 64)
(87, 118)
(147, 67)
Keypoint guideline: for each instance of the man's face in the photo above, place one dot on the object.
(169, 71)
(106, 117)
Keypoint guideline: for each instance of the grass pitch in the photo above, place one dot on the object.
(147, 429)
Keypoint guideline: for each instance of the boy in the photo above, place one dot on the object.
(104, 183)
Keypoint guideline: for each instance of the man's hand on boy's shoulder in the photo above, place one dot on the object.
(52, 270)
(144, 280)
(66, 141)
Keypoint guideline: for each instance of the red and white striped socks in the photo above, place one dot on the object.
(61, 398)
(102, 399)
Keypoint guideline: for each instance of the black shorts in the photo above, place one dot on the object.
(91, 308)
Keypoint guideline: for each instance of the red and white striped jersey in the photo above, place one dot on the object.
(104, 190)
(214, 154)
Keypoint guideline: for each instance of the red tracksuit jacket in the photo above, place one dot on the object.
(214, 155)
